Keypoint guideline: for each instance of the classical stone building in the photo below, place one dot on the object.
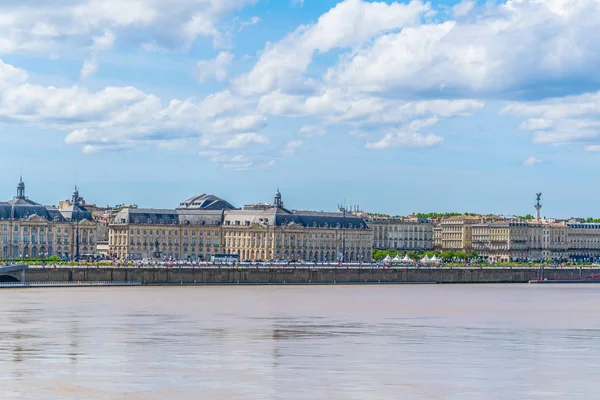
(548, 240)
(457, 232)
(404, 234)
(190, 232)
(583, 241)
(437, 237)
(274, 232)
(501, 241)
(207, 225)
(31, 230)
(518, 240)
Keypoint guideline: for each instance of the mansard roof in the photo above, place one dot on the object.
(23, 208)
(20, 211)
(151, 216)
(278, 216)
(76, 212)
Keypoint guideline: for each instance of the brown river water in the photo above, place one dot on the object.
(301, 342)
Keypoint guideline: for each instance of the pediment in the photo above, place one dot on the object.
(36, 218)
(86, 222)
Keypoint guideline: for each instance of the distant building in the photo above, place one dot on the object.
(404, 234)
(31, 230)
(437, 236)
(192, 231)
(457, 232)
(207, 225)
(274, 232)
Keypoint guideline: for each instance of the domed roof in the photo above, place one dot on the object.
(20, 207)
(205, 202)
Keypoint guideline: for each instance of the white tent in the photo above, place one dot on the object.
(435, 259)
(387, 258)
(407, 258)
(397, 258)
(425, 259)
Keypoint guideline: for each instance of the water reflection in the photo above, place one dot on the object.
(425, 342)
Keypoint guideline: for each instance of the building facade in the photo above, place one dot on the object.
(404, 234)
(206, 225)
(457, 232)
(584, 241)
(31, 230)
(518, 240)
(501, 241)
(193, 231)
(274, 232)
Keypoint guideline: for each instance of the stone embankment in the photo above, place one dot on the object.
(328, 275)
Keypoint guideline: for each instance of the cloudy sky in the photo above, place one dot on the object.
(395, 106)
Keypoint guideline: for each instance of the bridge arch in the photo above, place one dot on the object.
(8, 278)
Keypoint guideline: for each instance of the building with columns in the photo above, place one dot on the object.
(31, 230)
(274, 232)
(207, 225)
(191, 232)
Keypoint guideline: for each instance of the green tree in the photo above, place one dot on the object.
(528, 216)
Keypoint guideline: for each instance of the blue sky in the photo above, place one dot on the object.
(396, 106)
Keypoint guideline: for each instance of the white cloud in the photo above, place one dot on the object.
(235, 162)
(311, 130)
(101, 43)
(419, 124)
(405, 139)
(517, 46)
(292, 146)
(463, 8)
(237, 141)
(214, 69)
(532, 161)
(39, 25)
(336, 105)
(244, 24)
(119, 118)
(349, 23)
(89, 68)
(560, 121)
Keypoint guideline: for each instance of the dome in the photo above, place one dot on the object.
(205, 202)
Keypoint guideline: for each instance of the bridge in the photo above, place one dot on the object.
(5, 270)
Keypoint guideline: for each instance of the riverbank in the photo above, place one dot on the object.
(320, 275)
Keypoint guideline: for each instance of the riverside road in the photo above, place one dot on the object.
(293, 274)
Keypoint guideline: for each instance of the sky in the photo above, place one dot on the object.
(397, 107)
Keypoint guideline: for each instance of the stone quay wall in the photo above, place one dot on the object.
(208, 276)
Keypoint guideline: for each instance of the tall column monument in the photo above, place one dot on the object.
(538, 206)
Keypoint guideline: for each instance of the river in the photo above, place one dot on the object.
(301, 342)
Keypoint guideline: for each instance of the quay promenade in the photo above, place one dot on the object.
(257, 275)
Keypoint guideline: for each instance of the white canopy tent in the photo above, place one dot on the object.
(387, 258)
(425, 259)
(435, 259)
(407, 258)
(397, 258)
